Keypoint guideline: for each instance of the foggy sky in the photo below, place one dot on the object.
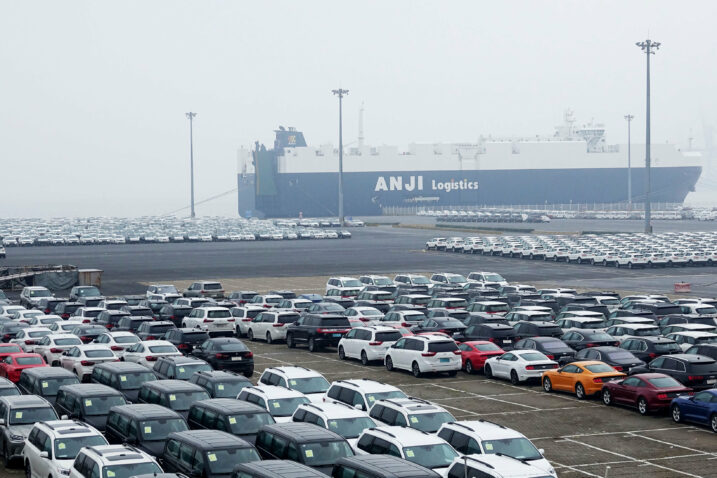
(93, 93)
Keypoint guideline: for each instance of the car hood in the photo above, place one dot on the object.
(154, 447)
(23, 430)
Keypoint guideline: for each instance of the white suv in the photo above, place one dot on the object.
(367, 343)
(280, 402)
(309, 382)
(344, 284)
(51, 347)
(410, 444)
(81, 359)
(271, 325)
(113, 460)
(216, 321)
(411, 412)
(52, 446)
(31, 295)
(493, 466)
(420, 354)
(337, 417)
(488, 279)
(167, 291)
(243, 316)
(362, 393)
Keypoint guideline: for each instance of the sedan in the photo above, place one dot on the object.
(88, 333)
(27, 338)
(446, 325)
(147, 353)
(226, 354)
(619, 359)
(647, 392)
(554, 349)
(13, 365)
(117, 341)
(586, 338)
(52, 346)
(81, 359)
(582, 378)
(519, 366)
(475, 353)
(700, 408)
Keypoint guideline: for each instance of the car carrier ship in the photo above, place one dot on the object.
(575, 165)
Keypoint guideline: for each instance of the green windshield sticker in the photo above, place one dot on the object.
(18, 414)
(147, 430)
(61, 446)
(488, 446)
(232, 421)
(123, 378)
(88, 403)
(172, 398)
(414, 420)
(277, 404)
(410, 454)
(220, 387)
(212, 457)
(309, 453)
(45, 384)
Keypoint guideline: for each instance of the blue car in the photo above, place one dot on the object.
(699, 408)
(312, 297)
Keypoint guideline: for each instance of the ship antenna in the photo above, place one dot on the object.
(360, 135)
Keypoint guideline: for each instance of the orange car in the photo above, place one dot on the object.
(583, 378)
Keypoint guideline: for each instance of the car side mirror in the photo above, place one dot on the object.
(2, 421)
(64, 417)
(541, 450)
(358, 406)
(44, 454)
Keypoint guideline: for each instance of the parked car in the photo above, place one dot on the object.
(648, 392)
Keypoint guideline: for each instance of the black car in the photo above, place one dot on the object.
(552, 304)
(7, 388)
(126, 377)
(185, 339)
(9, 330)
(477, 291)
(66, 309)
(88, 333)
(177, 395)
(206, 453)
(554, 349)
(275, 469)
(461, 315)
(334, 296)
(88, 402)
(154, 330)
(175, 313)
(475, 318)
(638, 312)
(110, 318)
(90, 301)
(131, 323)
(619, 359)
(501, 335)
(145, 426)
(708, 350)
(584, 338)
(220, 383)
(226, 353)
(317, 331)
(525, 329)
(137, 310)
(323, 308)
(178, 368)
(649, 348)
(49, 304)
(447, 325)
(695, 371)
(589, 307)
(384, 466)
(242, 297)
(286, 294)
(133, 299)
(238, 417)
(155, 305)
(45, 381)
(661, 309)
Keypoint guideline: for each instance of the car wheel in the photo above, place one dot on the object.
(250, 335)
(709, 262)
(530, 257)
(676, 414)
(416, 370)
(690, 263)
(249, 373)
(649, 264)
(642, 406)
(290, 341)
(312, 345)
(28, 470)
(389, 364)
(547, 385)
(580, 391)
(488, 372)
(514, 377)
(617, 265)
(580, 261)
(342, 354)
(669, 264)
(364, 358)
(469, 367)
(606, 397)
(269, 340)
(604, 263)
(629, 265)
(555, 258)
(713, 422)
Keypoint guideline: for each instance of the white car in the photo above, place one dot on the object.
(27, 338)
(519, 365)
(401, 318)
(243, 316)
(25, 315)
(367, 344)
(337, 417)
(146, 353)
(112, 304)
(350, 285)
(86, 314)
(81, 359)
(420, 354)
(117, 341)
(43, 320)
(437, 243)
(699, 309)
(167, 291)
(494, 466)
(688, 339)
(51, 346)
(624, 331)
(367, 315)
(280, 402)
(266, 301)
(114, 460)
(630, 260)
(309, 382)
(411, 412)
(65, 327)
(31, 295)
(271, 325)
(362, 393)
(7, 310)
(215, 321)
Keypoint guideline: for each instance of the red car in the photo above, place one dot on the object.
(474, 354)
(9, 349)
(646, 391)
(13, 365)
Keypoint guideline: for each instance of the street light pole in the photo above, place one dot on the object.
(341, 93)
(191, 116)
(629, 119)
(649, 47)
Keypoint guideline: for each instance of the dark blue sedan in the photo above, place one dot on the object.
(699, 408)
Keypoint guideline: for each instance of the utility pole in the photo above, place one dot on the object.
(629, 119)
(341, 93)
(191, 116)
(649, 47)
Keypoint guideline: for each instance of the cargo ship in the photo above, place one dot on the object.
(575, 165)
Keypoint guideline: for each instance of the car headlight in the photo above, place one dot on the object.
(64, 471)
(14, 437)
(551, 470)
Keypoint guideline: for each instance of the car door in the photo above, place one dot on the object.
(697, 408)
(566, 377)
(501, 365)
(396, 350)
(350, 343)
(627, 391)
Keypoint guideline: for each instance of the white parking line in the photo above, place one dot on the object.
(558, 465)
(486, 397)
(673, 444)
(621, 432)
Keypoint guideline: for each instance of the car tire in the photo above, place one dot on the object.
(606, 397)
(629, 265)
(364, 358)
(580, 391)
(676, 413)
(642, 406)
(290, 341)
(604, 263)
(250, 335)
(269, 340)
(249, 373)
(416, 370)
(389, 364)
(342, 354)
(312, 345)
(487, 371)
(617, 265)
(547, 385)
(468, 367)
(514, 377)
(555, 258)
(713, 422)
(453, 373)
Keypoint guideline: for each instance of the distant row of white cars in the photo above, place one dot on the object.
(618, 250)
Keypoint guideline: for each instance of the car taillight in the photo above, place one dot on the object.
(428, 354)
(47, 311)
(230, 320)
(56, 350)
(85, 339)
(375, 343)
(247, 319)
(86, 363)
(555, 365)
(597, 380)
(618, 368)
(617, 344)
(405, 324)
(29, 342)
(116, 348)
(662, 396)
(183, 346)
(267, 306)
(279, 325)
(86, 321)
(695, 377)
(110, 326)
(491, 339)
(249, 354)
(590, 345)
(365, 319)
(221, 356)
(551, 357)
(652, 355)
(150, 358)
(207, 321)
(65, 316)
(456, 352)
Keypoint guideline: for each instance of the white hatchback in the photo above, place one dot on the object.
(368, 343)
(420, 354)
(216, 321)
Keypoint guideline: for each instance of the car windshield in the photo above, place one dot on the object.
(373, 397)
(131, 469)
(126, 339)
(520, 448)
(29, 360)
(140, 312)
(324, 453)
(68, 448)
(456, 279)
(101, 405)
(52, 385)
(218, 314)
(497, 308)
(350, 427)
(159, 429)
(429, 422)
(493, 278)
(287, 318)
(431, 456)
(646, 332)
(285, 407)
(664, 382)
(28, 416)
(420, 280)
(609, 301)
(12, 348)
(132, 381)
(599, 368)
(161, 328)
(490, 347)
(212, 286)
(600, 336)
(224, 461)
(623, 355)
(88, 292)
(667, 348)
(554, 345)
(442, 346)
(309, 384)
(352, 283)
(704, 368)
(706, 340)
(163, 349)
(166, 289)
(232, 347)
(99, 353)
(187, 370)
(533, 356)
(249, 423)
(388, 336)
(182, 400)
(337, 322)
(40, 293)
(382, 281)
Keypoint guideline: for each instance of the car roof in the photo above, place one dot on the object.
(333, 409)
(387, 466)
(412, 405)
(145, 410)
(25, 401)
(67, 428)
(282, 468)
(505, 465)
(694, 333)
(302, 431)
(406, 436)
(90, 389)
(485, 430)
(119, 454)
(274, 391)
(692, 358)
(173, 386)
(230, 406)
(125, 367)
(294, 370)
(363, 383)
(48, 372)
(223, 375)
(210, 439)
